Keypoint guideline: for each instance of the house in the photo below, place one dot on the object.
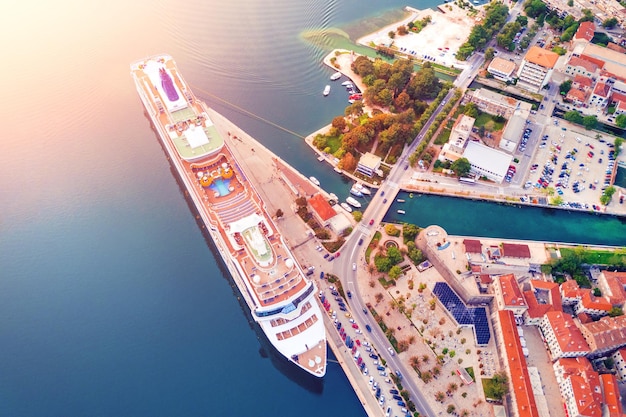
(601, 94)
(579, 66)
(536, 68)
(580, 387)
(619, 359)
(509, 296)
(459, 135)
(515, 363)
(585, 31)
(321, 209)
(541, 298)
(605, 335)
(594, 306)
(472, 246)
(563, 337)
(501, 69)
(486, 161)
(515, 250)
(368, 164)
(612, 406)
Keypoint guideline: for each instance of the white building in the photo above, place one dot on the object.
(501, 69)
(459, 136)
(536, 68)
(486, 161)
(368, 164)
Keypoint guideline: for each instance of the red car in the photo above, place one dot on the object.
(358, 342)
(337, 254)
(355, 326)
(371, 222)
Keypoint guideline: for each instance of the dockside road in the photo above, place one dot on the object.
(265, 171)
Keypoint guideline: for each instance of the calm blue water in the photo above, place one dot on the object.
(111, 301)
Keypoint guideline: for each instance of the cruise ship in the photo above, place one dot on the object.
(280, 297)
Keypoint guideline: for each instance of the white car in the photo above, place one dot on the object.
(371, 380)
(354, 266)
(391, 351)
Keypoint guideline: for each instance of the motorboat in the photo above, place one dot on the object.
(356, 192)
(401, 212)
(333, 196)
(356, 96)
(363, 189)
(346, 83)
(353, 202)
(400, 200)
(346, 207)
(335, 76)
(326, 90)
(338, 170)
(314, 181)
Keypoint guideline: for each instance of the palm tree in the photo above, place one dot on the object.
(425, 358)
(436, 370)
(452, 386)
(439, 396)
(464, 413)
(426, 377)
(411, 340)
(414, 361)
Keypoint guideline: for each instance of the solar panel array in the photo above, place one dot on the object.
(472, 316)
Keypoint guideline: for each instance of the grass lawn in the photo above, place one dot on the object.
(334, 143)
(443, 137)
(488, 386)
(603, 257)
(486, 120)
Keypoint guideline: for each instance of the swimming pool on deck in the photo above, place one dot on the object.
(221, 186)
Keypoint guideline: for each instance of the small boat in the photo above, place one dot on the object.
(400, 200)
(356, 96)
(338, 170)
(401, 212)
(320, 158)
(351, 101)
(326, 90)
(356, 192)
(353, 202)
(363, 189)
(335, 76)
(314, 181)
(333, 196)
(346, 207)
(346, 83)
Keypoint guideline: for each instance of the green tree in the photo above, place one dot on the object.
(471, 110)
(573, 116)
(498, 387)
(358, 215)
(339, 123)
(618, 145)
(394, 255)
(610, 22)
(395, 272)
(565, 87)
(607, 195)
(382, 263)
(489, 54)
(615, 311)
(461, 167)
(409, 232)
(590, 122)
(279, 213)
(391, 34)
(522, 20)
(424, 84)
(534, 8)
(620, 120)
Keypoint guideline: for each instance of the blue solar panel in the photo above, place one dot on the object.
(473, 316)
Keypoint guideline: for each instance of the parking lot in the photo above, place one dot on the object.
(577, 166)
(364, 353)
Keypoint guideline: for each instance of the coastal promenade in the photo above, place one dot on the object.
(265, 168)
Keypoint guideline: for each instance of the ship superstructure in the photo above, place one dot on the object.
(280, 297)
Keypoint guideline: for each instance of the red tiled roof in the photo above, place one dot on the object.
(616, 47)
(579, 62)
(616, 293)
(520, 380)
(611, 395)
(569, 289)
(602, 90)
(598, 62)
(511, 292)
(485, 279)
(584, 318)
(324, 210)
(588, 300)
(585, 385)
(515, 250)
(582, 80)
(568, 336)
(585, 31)
(472, 246)
(541, 57)
(575, 94)
(476, 269)
(606, 333)
(535, 307)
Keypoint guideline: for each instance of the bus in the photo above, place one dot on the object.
(467, 180)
